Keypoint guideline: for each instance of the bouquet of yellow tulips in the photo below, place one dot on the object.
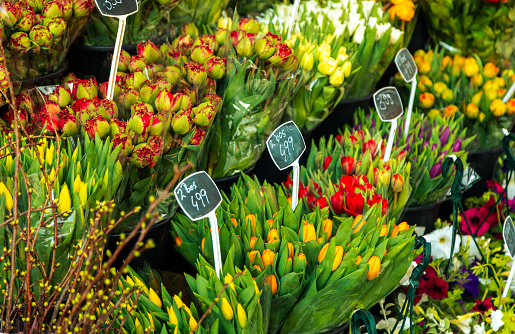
(307, 259)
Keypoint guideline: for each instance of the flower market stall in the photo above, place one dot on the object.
(215, 175)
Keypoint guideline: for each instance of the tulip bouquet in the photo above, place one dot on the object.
(448, 85)
(259, 84)
(307, 259)
(429, 142)
(151, 22)
(471, 27)
(39, 33)
(348, 171)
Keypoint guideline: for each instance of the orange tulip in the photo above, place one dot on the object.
(202, 246)
(252, 255)
(374, 267)
(268, 257)
(272, 236)
(328, 227)
(271, 280)
(395, 231)
(358, 259)
(357, 219)
(252, 219)
(270, 222)
(291, 250)
(308, 232)
(322, 253)
(403, 226)
(234, 222)
(384, 231)
(258, 268)
(252, 242)
(338, 256)
(178, 241)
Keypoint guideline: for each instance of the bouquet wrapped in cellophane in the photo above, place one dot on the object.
(37, 34)
(309, 260)
(447, 86)
(151, 22)
(259, 84)
(359, 154)
(429, 141)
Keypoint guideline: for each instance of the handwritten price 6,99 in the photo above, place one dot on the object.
(286, 148)
(199, 198)
(110, 4)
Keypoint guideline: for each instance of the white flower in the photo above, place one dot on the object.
(463, 322)
(354, 21)
(359, 35)
(339, 28)
(496, 322)
(381, 29)
(466, 240)
(367, 8)
(372, 22)
(441, 240)
(390, 322)
(312, 6)
(354, 8)
(396, 34)
(480, 329)
(407, 275)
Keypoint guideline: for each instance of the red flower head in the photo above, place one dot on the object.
(378, 199)
(338, 202)
(494, 186)
(288, 183)
(322, 202)
(354, 204)
(327, 161)
(433, 286)
(348, 183)
(483, 306)
(475, 217)
(348, 165)
(339, 138)
(370, 146)
(198, 137)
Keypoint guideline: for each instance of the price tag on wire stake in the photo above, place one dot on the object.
(286, 146)
(120, 9)
(508, 233)
(389, 107)
(199, 198)
(408, 69)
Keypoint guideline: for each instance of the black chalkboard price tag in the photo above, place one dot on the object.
(198, 195)
(388, 104)
(508, 234)
(117, 7)
(286, 145)
(406, 65)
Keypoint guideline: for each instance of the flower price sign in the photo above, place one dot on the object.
(408, 69)
(508, 233)
(389, 107)
(286, 146)
(120, 9)
(199, 198)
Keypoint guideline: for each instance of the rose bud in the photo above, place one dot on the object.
(156, 144)
(249, 25)
(156, 127)
(53, 8)
(149, 51)
(41, 36)
(137, 63)
(181, 122)
(191, 94)
(382, 177)
(183, 44)
(210, 86)
(181, 101)
(135, 79)
(109, 109)
(148, 92)
(201, 53)
(189, 29)
(126, 143)
(85, 89)
(123, 63)
(215, 100)
(61, 96)
(97, 125)
(195, 74)
(198, 137)
(117, 126)
(210, 40)
(82, 8)
(348, 165)
(20, 43)
(163, 102)
(203, 114)
(128, 97)
(220, 36)
(143, 156)
(26, 22)
(68, 124)
(56, 26)
(139, 123)
(397, 183)
(215, 67)
(171, 74)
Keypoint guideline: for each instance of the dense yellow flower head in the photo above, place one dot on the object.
(403, 9)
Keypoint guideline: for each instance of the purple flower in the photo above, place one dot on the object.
(470, 284)
(415, 159)
(457, 145)
(435, 170)
(434, 146)
(373, 123)
(444, 136)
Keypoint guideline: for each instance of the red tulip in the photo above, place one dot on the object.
(348, 165)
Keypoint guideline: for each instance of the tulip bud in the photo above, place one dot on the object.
(322, 253)
(61, 96)
(149, 51)
(327, 66)
(201, 53)
(510, 106)
(282, 55)
(56, 26)
(125, 142)
(26, 22)
(226, 308)
(397, 183)
(20, 43)
(65, 202)
(139, 122)
(328, 227)
(181, 122)
(154, 298)
(68, 124)
(215, 100)
(221, 35)
(252, 242)
(137, 63)
(195, 74)
(129, 96)
(183, 44)
(448, 95)
(381, 178)
(224, 23)
(271, 280)
(84, 89)
(8, 197)
(249, 25)
(109, 110)
(143, 156)
(426, 100)
(215, 67)
(189, 29)
(272, 236)
(308, 232)
(82, 8)
(11, 13)
(203, 114)
(123, 62)
(47, 116)
(41, 36)
(265, 47)
(210, 41)
(163, 102)
(307, 61)
(252, 255)
(268, 257)
(53, 8)
(498, 108)
(348, 165)
(242, 316)
(374, 266)
(336, 79)
(97, 125)
(490, 70)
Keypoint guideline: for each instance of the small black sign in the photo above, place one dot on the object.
(286, 145)
(406, 65)
(508, 234)
(198, 195)
(117, 7)
(388, 103)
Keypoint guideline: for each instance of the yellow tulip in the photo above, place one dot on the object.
(242, 316)
(193, 323)
(471, 67)
(77, 184)
(172, 318)
(252, 219)
(129, 280)
(151, 321)
(358, 259)
(426, 100)
(139, 328)
(336, 79)
(268, 257)
(178, 301)
(472, 111)
(252, 242)
(272, 236)
(490, 70)
(154, 298)
(9, 163)
(228, 279)
(338, 256)
(291, 250)
(374, 267)
(327, 66)
(307, 61)
(227, 311)
(384, 231)
(83, 194)
(403, 226)
(8, 197)
(49, 157)
(498, 108)
(253, 254)
(65, 202)
(141, 285)
(308, 232)
(322, 253)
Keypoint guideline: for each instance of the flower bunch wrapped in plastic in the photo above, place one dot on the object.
(39, 33)
(363, 27)
(359, 154)
(471, 27)
(152, 21)
(309, 260)
(463, 85)
(429, 141)
(259, 84)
